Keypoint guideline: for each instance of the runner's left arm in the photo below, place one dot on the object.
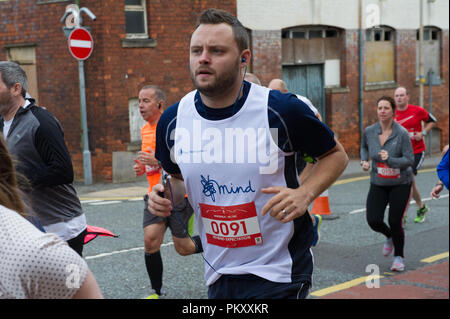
(306, 133)
(407, 158)
(430, 121)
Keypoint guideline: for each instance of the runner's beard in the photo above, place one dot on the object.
(222, 82)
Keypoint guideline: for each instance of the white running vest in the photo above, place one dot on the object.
(225, 164)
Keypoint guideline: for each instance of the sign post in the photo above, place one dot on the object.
(81, 45)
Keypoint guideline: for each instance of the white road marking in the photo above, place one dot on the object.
(122, 251)
(90, 201)
(106, 202)
(356, 211)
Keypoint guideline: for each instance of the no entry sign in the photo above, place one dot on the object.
(80, 43)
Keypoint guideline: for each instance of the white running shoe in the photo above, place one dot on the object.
(398, 264)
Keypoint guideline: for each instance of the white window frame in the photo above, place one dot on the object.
(370, 34)
(307, 29)
(142, 8)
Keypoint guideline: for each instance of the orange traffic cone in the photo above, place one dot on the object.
(321, 205)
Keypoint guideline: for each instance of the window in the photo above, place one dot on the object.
(299, 34)
(431, 54)
(310, 33)
(315, 34)
(380, 57)
(314, 45)
(26, 57)
(135, 19)
(377, 34)
(331, 33)
(48, 1)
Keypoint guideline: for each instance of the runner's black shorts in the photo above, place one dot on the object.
(418, 160)
(249, 286)
(180, 214)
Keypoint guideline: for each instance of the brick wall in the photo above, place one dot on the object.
(113, 73)
(342, 106)
(266, 51)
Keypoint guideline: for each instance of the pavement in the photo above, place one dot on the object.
(428, 282)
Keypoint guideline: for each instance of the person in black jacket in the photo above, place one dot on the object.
(35, 139)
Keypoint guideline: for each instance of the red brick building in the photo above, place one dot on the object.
(314, 46)
(146, 41)
(31, 34)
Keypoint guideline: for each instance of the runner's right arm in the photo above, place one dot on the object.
(162, 206)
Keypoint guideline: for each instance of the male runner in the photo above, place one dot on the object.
(411, 117)
(233, 144)
(151, 103)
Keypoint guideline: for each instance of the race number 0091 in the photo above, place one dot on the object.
(224, 228)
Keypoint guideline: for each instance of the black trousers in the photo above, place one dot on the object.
(253, 287)
(398, 199)
(77, 243)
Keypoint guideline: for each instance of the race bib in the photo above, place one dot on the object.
(151, 170)
(385, 171)
(231, 226)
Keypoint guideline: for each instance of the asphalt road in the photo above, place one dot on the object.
(346, 248)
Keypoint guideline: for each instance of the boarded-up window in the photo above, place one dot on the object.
(26, 57)
(314, 45)
(431, 53)
(380, 55)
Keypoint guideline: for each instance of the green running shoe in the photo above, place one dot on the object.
(421, 214)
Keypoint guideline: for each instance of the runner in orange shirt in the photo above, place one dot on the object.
(151, 103)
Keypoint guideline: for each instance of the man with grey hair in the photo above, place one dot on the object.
(35, 139)
(151, 105)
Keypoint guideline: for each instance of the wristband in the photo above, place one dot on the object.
(424, 133)
(439, 184)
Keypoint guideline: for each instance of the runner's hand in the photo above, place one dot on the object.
(138, 168)
(418, 136)
(365, 165)
(436, 190)
(287, 203)
(158, 205)
(148, 158)
(384, 155)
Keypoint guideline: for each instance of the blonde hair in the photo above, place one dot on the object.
(9, 189)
